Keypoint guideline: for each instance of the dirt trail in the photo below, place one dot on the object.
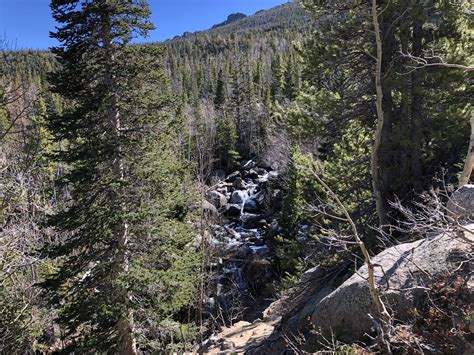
(242, 336)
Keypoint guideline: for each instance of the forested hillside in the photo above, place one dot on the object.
(217, 88)
(229, 77)
(290, 181)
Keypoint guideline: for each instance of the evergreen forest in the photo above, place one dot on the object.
(295, 181)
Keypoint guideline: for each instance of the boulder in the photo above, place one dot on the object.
(409, 270)
(238, 197)
(232, 210)
(239, 183)
(260, 171)
(250, 220)
(233, 176)
(217, 199)
(210, 209)
(251, 206)
(461, 202)
(252, 174)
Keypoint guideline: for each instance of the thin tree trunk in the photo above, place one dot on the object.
(404, 150)
(469, 165)
(416, 106)
(375, 158)
(374, 291)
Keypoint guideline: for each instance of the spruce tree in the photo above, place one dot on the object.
(220, 97)
(107, 133)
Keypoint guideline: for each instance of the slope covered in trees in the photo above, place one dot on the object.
(103, 153)
(228, 79)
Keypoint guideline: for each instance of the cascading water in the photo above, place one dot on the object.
(240, 240)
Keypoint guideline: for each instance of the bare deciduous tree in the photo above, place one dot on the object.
(375, 159)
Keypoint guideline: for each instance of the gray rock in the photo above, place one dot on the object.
(250, 220)
(222, 190)
(239, 196)
(217, 199)
(232, 210)
(210, 208)
(409, 269)
(260, 171)
(233, 176)
(251, 206)
(195, 244)
(461, 202)
(239, 183)
(227, 346)
(263, 223)
(252, 174)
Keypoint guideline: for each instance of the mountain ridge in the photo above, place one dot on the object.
(288, 16)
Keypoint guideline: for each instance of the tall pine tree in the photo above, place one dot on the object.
(112, 128)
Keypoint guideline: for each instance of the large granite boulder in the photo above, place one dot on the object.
(409, 268)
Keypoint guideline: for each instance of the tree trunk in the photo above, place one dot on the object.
(417, 103)
(375, 158)
(405, 119)
(469, 165)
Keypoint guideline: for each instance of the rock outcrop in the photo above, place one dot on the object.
(405, 273)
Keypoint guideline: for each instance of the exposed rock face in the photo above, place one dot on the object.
(462, 201)
(409, 269)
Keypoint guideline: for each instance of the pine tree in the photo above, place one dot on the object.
(109, 130)
(278, 73)
(220, 97)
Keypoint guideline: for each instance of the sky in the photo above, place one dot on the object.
(26, 23)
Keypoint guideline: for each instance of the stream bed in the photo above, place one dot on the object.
(242, 260)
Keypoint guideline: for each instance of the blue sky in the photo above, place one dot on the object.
(26, 23)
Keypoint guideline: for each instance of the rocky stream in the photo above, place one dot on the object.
(245, 203)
